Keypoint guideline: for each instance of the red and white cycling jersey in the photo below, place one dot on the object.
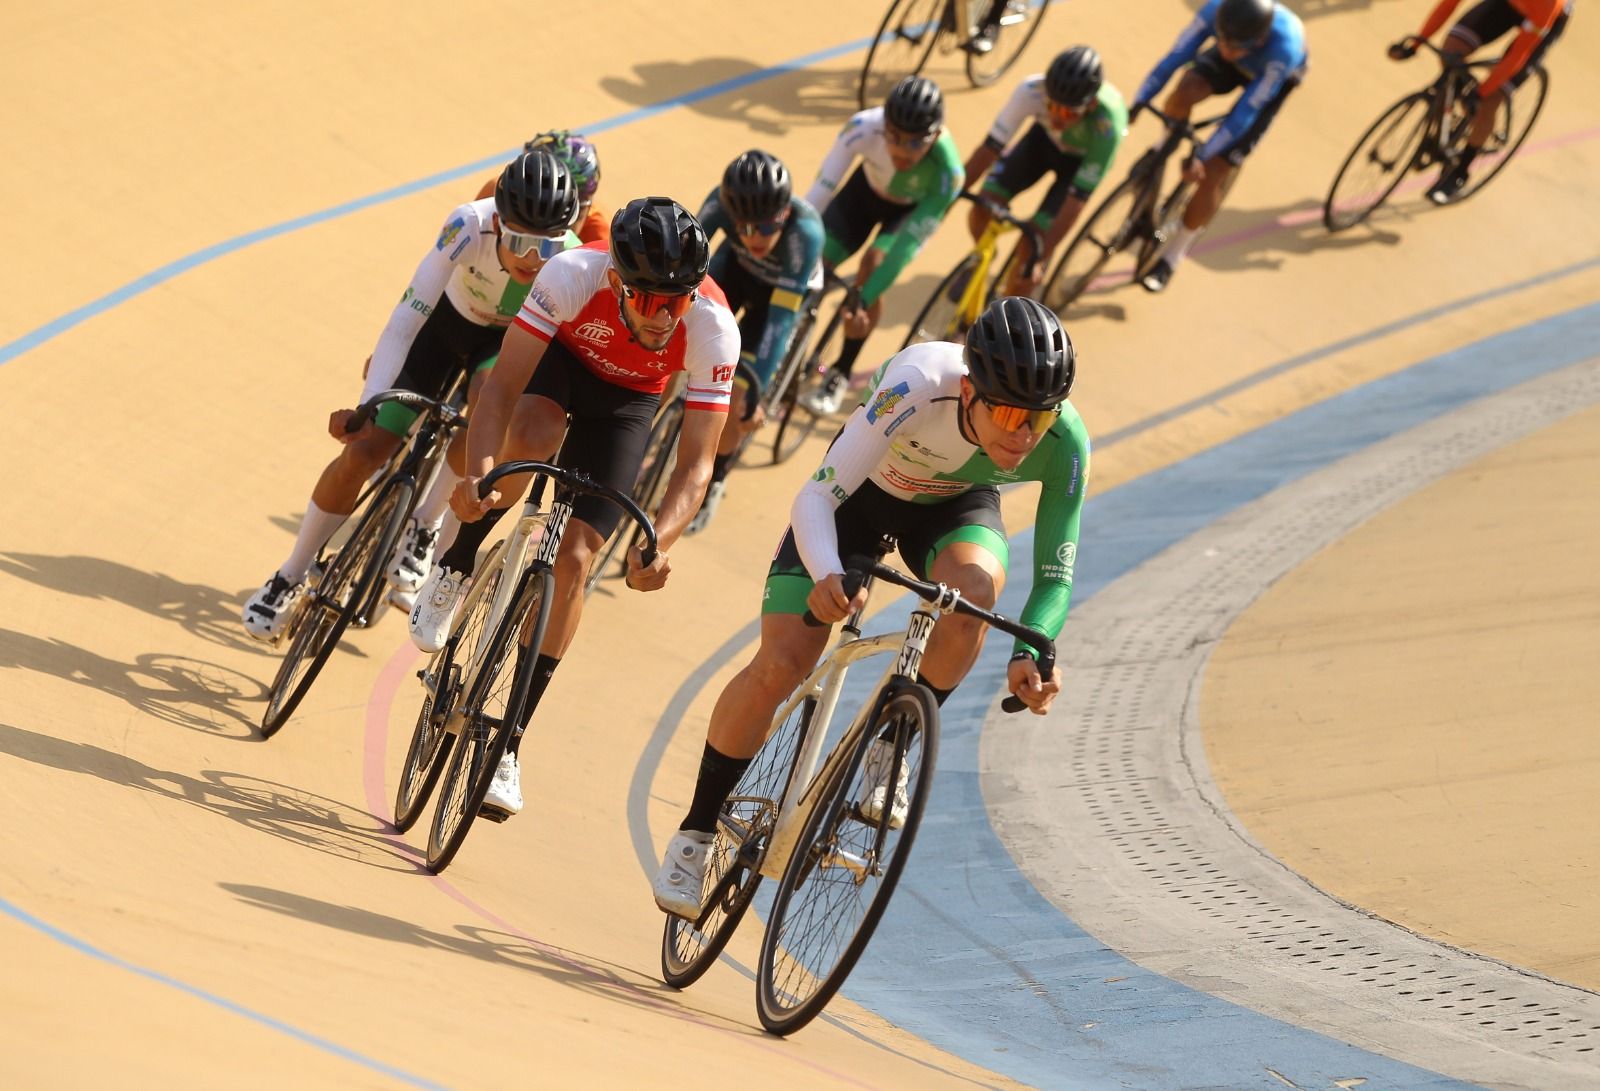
(571, 301)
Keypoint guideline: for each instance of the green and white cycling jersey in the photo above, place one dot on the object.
(930, 188)
(463, 265)
(1093, 138)
(907, 438)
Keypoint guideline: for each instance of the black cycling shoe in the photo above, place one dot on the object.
(1157, 278)
(1449, 184)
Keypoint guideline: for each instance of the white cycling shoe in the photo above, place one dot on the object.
(272, 607)
(825, 400)
(413, 557)
(504, 797)
(680, 884)
(875, 771)
(708, 508)
(437, 602)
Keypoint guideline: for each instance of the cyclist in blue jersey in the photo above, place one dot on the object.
(1259, 46)
(771, 256)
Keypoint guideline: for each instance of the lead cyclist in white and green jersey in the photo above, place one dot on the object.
(921, 459)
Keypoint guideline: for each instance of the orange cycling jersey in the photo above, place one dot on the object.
(1538, 16)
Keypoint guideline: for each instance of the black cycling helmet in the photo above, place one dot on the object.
(1074, 77)
(1244, 21)
(915, 106)
(536, 192)
(576, 151)
(657, 246)
(1018, 354)
(756, 187)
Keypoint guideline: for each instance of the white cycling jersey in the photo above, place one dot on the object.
(862, 136)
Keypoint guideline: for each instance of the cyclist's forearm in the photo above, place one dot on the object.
(686, 488)
(1437, 17)
(1045, 610)
(979, 162)
(421, 296)
(1184, 50)
(897, 252)
(1509, 65)
(815, 535)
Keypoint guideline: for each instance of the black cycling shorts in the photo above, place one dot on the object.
(1029, 160)
(1223, 77)
(607, 431)
(1492, 18)
(446, 345)
(852, 214)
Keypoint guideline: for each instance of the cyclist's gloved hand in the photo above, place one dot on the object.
(1022, 679)
(643, 577)
(467, 504)
(828, 603)
(1402, 50)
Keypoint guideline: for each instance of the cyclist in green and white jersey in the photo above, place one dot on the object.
(909, 177)
(450, 319)
(921, 459)
(1079, 121)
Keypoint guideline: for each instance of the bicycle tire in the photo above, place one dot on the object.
(1096, 243)
(1483, 178)
(1151, 247)
(430, 744)
(917, 22)
(660, 453)
(796, 423)
(914, 714)
(688, 950)
(334, 602)
(1032, 16)
(787, 377)
(484, 737)
(940, 317)
(1340, 214)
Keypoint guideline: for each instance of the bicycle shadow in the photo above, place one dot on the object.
(176, 689)
(607, 980)
(769, 106)
(1245, 239)
(302, 818)
(204, 611)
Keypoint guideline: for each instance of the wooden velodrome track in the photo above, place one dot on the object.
(208, 212)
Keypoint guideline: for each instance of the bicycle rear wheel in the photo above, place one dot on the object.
(795, 422)
(494, 696)
(1378, 163)
(844, 869)
(775, 399)
(442, 683)
(1511, 127)
(1083, 266)
(940, 317)
(904, 41)
(334, 602)
(1018, 24)
(733, 867)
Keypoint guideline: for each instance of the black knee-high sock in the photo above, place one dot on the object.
(720, 466)
(544, 667)
(847, 356)
(719, 775)
(462, 556)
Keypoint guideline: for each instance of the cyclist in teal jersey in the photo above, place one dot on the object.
(1079, 121)
(771, 256)
(909, 177)
(921, 459)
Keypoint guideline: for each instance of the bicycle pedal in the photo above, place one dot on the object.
(493, 814)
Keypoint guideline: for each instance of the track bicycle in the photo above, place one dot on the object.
(992, 33)
(1133, 217)
(348, 585)
(802, 823)
(960, 297)
(808, 368)
(476, 685)
(1428, 129)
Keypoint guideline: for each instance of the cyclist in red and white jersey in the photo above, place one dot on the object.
(601, 332)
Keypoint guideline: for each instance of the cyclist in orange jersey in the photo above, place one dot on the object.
(578, 153)
(1538, 24)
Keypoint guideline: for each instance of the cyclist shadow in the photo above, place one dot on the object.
(770, 107)
(176, 689)
(292, 814)
(1240, 240)
(206, 612)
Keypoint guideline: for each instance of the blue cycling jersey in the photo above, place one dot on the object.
(1278, 59)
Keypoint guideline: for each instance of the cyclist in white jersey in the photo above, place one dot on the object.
(921, 460)
(450, 318)
(601, 332)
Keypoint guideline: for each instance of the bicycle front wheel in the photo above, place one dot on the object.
(1512, 124)
(1019, 22)
(495, 696)
(940, 318)
(1085, 266)
(334, 602)
(1378, 163)
(442, 685)
(845, 866)
(905, 40)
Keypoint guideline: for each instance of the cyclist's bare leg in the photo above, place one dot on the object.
(788, 651)
(1483, 120)
(978, 217)
(1190, 90)
(956, 640)
(433, 510)
(341, 481)
(1209, 193)
(578, 546)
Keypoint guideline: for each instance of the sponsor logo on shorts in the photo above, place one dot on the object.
(451, 230)
(885, 401)
(597, 331)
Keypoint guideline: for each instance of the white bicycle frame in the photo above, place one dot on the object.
(825, 683)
